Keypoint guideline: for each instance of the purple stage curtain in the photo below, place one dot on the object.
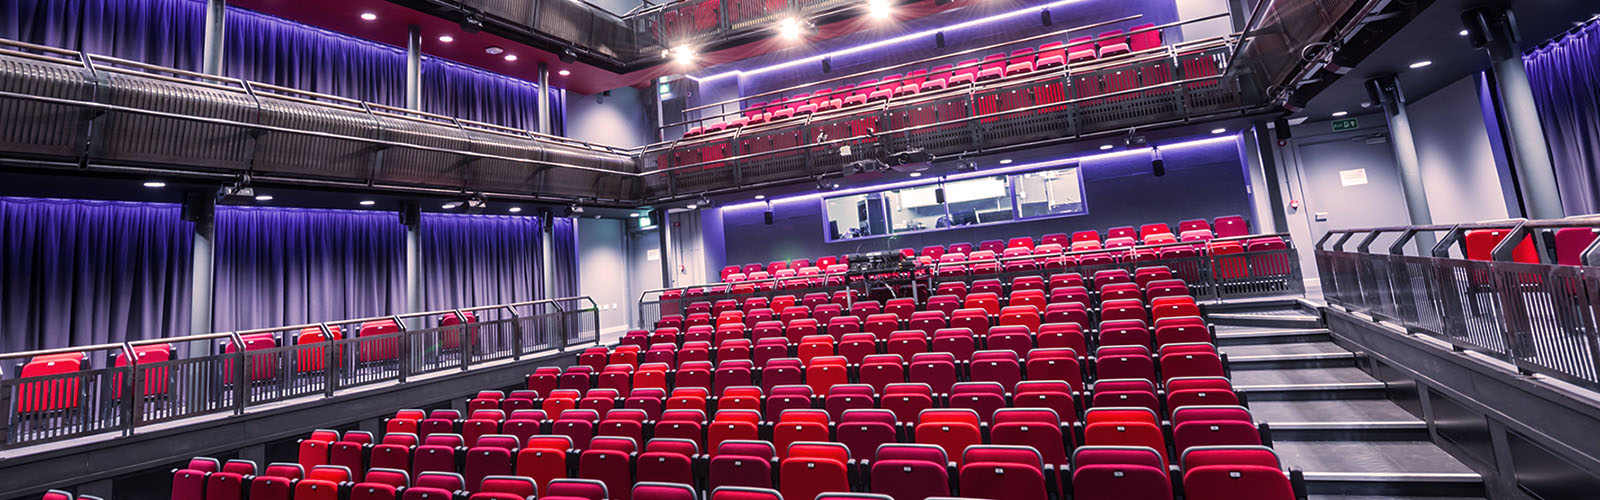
(1565, 76)
(270, 50)
(566, 257)
(480, 260)
(76, 272)
(290, 266)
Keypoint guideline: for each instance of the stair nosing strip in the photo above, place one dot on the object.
(1312, 387)
(1290, 357)
(1417, 477)
(1377, 425)
(1287, 332)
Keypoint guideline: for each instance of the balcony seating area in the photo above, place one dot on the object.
(1034, 387)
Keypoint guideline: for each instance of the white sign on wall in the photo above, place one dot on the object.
(1353, 177)
(652, 254)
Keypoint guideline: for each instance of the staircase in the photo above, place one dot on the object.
(1327, 416)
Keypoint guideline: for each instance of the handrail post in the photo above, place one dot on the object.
(516, 332)
(131, 401)
(241, 383)
(403, 341)
(1504, 250)
(467, 339)
(330, 357)
(560, 341)
(594, 307)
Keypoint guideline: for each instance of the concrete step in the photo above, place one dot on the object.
(1238, 337)
(1414, 468)
(1284, 319)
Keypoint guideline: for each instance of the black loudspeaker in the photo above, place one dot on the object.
(938, 195)
(938, 39)
(198, 206)
(827, 65)
(1158, 166)
(1044, 17)
(1282, 127)
(410, 213)
(767, 216)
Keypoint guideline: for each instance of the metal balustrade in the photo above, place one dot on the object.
(1515, 301)
(1209, 275)
(123, 387)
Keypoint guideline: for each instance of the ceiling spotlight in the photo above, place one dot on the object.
(879, 9)
(1463, 33)
(155, 184)
(450, 206)
(761, 197)
(446, 38)
(1006, 161)
(263, 197)
(514, 209)
(704, 201)
(1105, 147)
(634, 215)
(1337, 114)
(916, 174)
(1218, 130)
(564, 72)
(368, 203)
(789, 28)
(567, 55)
(692, 206)
(476, 201)
(683, 54)
(1421, 64)
(368, 16)
(493, 50)
(575, 208)
(511, 57)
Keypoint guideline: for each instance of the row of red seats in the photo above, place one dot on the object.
(1222, 227)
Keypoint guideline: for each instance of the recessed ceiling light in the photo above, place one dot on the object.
(263, 197)
(514, 209)
(368, 203)
(761, 197)
(564, 72)
(1006, 161)
(634, 215)
(446, 38)
(493, 50)
(1421, 64)
(1462, 33)
(511, 57)
(692, 206)
(1337, 114)
(369, 16)
(450, 205)
(155, 184)
(1105, 147)
(1218, 130)
(916, 174)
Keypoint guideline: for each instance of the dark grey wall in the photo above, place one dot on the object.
(603, 269)
(1204, 180)
(1459, 171)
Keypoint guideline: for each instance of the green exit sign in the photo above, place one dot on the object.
(1345, 124)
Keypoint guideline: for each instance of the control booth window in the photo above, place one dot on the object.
(1049, 192)
(916, 208)
(855, 216)
(984, 200)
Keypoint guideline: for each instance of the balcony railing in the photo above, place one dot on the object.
(1529, 298)
(1210, 275)
(81, 391)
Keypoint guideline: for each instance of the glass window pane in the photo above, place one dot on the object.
(983, 200)
(1049, 192)
(855, 216)
(915, 209)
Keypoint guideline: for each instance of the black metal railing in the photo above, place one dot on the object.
(121, 387)
(1522, 291)
(1210, 275)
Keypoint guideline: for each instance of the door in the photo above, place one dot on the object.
(1351, 180)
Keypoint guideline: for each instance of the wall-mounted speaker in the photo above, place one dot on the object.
(198, 206)
(1281, 126)
(767, 216)
(410, 213)
(938, 195)
(938, 39)
(1158, 166)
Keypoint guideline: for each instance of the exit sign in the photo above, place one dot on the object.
(1345, 124)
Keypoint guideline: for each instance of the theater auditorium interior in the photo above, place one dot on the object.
(799, 249)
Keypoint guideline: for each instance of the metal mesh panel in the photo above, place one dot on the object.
(335, 158)
(152, 138)
(39, 127)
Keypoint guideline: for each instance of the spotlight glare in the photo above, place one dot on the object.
(446, 38)
(1337, 114)
(789, 28)
(368, 203)
(368, 16)
(682, 54)
(1421, 64)
(879, 9)
(155, 184)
